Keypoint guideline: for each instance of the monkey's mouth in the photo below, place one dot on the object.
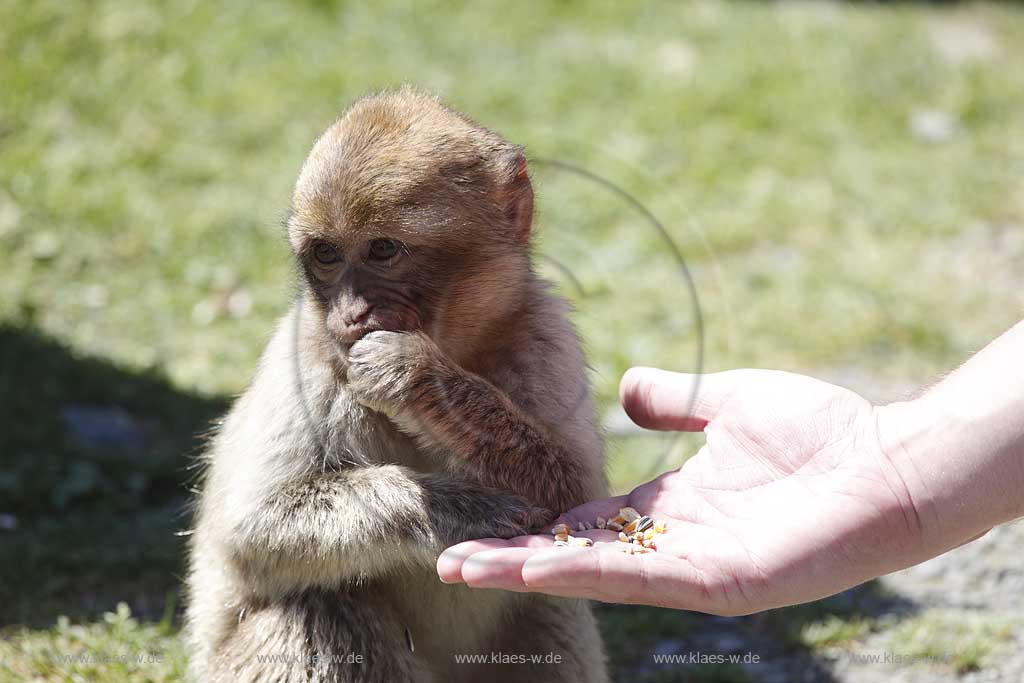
(378, 319)
(354, 333)
(376, 323)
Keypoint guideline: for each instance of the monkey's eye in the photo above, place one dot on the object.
(325, 253)
(383, 249)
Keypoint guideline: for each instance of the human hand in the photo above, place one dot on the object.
(792, 498)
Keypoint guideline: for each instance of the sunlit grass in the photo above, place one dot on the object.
(845, 182)
(950, 640)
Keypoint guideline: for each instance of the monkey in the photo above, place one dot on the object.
(426, 387)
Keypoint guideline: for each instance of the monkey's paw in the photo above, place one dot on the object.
(520, 520)
(388, 371)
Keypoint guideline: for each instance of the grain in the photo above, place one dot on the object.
(637, 533)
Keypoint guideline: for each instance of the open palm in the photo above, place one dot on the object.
(789, 488)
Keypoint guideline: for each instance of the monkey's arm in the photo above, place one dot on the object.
(366, 521)
(491, 438)
(286, 504)
(500, 445)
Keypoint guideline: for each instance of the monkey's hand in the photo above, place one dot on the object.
(389, 371)
(466, 511)
(511, 521)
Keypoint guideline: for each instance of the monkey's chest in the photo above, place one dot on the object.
(377, 440)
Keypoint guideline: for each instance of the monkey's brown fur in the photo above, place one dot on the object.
(424, 389)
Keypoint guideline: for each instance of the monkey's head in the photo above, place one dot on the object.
(409, 216)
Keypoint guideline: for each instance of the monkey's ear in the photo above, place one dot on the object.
(518, 197)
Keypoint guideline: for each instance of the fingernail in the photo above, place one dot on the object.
(447, 566)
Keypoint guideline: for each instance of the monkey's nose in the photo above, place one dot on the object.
(356, 314)
(351, 323)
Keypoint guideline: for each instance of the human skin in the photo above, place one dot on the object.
(802, 489)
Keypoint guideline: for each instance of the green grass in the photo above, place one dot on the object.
(950, 640)
(147, 152)
(834, 632)
(115, 648)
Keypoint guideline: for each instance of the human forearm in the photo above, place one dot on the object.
(959, 448)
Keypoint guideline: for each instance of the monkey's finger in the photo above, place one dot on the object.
(659, 399)
(589, 512)
(595, 535)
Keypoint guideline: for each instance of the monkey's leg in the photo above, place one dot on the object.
(558, 641)
(319, 636)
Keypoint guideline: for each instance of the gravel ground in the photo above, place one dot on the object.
(979, 586)
(980, 583)
(915, 615)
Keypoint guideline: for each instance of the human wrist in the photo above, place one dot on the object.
(904, 429)
(960, 479)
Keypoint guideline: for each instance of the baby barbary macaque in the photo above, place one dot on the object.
(425, 388)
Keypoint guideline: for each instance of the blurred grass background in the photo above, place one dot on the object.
(844, 180)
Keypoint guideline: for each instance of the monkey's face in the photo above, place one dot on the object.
(366, 282)
(410, 277)
(364, 287)
(407, 216)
